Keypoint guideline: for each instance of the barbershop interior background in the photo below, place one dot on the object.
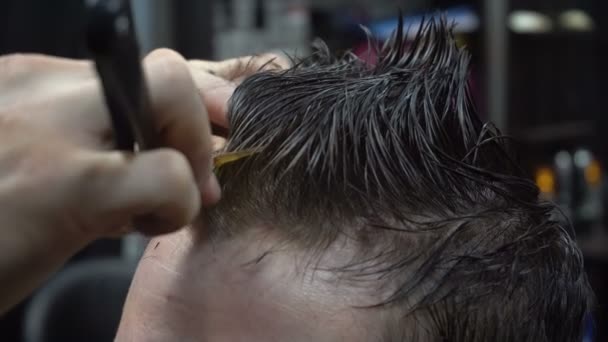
(539, 72)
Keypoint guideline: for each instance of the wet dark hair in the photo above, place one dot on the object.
(394, 156)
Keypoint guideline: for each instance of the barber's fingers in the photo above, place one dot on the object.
(154, 190)
(238, 68)
(216, 81)
(66, 95)
(215, 93)
(77, 111)
(213, 82)
(75, 105)
(179, 114)
(218, 142)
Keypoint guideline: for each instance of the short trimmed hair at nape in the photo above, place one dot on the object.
(394, 156)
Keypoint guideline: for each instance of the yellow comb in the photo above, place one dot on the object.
(227, 158)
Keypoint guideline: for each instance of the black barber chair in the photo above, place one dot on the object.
(83, 302)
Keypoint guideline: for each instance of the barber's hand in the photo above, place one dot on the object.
(62, 186)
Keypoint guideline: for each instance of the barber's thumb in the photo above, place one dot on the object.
(155, 191)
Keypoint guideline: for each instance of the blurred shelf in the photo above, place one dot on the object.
(594, 246)
(464, 19)
(555, 34)
(568, 21)
(556, 132)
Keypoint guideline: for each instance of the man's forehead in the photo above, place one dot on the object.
(248, 284)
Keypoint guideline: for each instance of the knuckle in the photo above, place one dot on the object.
(176, 169)
(163, 54)
(97, 172)
(170, 76)
(183, 196)
(169, 65)
(275, 60)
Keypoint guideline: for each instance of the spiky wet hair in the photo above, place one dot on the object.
(394, 155)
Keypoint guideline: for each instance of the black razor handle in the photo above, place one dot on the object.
(111, 40)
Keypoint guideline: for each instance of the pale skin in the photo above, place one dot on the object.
(189, 288)
(61, 184)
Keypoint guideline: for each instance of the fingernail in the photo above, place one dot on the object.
(211, 192)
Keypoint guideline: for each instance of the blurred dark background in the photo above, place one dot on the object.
(537, 73)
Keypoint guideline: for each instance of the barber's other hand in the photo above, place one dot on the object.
(62, 186)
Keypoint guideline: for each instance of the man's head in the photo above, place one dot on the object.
(374, 206)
